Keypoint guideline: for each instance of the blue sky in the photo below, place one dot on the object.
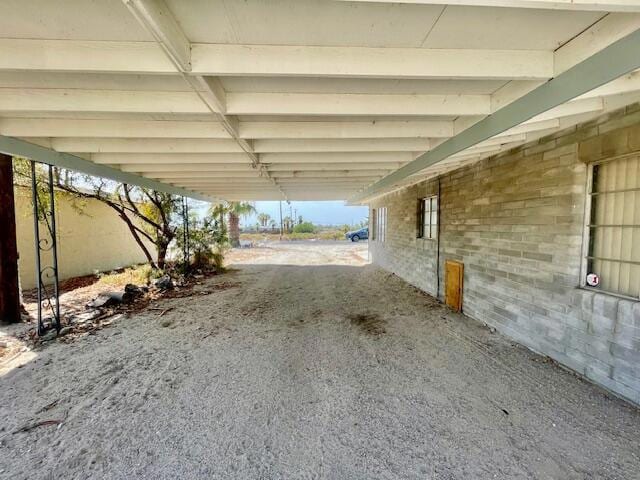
(320, 213)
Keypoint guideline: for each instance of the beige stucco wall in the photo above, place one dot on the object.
(90, 239)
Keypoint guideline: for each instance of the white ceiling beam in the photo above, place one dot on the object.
(98, 128)
(619, 58)
(488, 147)
(145, 145)
(269, 187)
(244, 193)
(76, 100)
(187, 167)
(20, 148)
(601, 34)
(343, 145)
(572, 5)
(250, 190)
(226, 187)
(531, 127)
(328, 192)
(227, 183)
(214, 95)
(377, 129)
(625, 84)
(328, 186)
(596, 38)
(319, 182)
(503, 139)
(233, 188)
(298, 196)
(252, 198)
(510, 92)
(314, 183)
(331, 174)
(316, 61)
(199, 174)
(168, 158)
(286, 167)
(356, 104)
(354, 157)
(575, 107)
(213, 92)
(194, 179)
(158, 19)
(123, 101)
(243, 60)
(83, 56)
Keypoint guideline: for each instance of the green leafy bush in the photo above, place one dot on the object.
(304, 227)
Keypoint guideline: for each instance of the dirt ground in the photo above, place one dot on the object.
(316, 252)
(312, 364)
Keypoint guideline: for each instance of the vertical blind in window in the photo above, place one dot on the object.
(382, 224)
(614, 226)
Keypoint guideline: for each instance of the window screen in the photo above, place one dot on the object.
(382, 224)
(613, 254)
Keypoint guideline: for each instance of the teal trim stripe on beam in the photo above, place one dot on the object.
(21, 148)
(619, 58)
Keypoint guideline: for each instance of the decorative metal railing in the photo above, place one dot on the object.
(44, 210)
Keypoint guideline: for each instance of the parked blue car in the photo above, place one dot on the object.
(357, 235)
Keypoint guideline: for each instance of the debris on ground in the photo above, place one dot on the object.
(65, 330)
(108, 299)
(43, 423)
(134, 291)
(49, 336)
(103, 307)
(163, 283)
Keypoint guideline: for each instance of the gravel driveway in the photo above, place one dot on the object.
(338, 371)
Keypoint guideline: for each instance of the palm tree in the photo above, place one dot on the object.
(288, 223)
(264, 218)
(235, 211)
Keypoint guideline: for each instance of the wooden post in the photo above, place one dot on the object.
(9, 290)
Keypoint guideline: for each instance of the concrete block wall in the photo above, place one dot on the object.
(516, 221)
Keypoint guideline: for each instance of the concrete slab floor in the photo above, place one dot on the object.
(296, 371)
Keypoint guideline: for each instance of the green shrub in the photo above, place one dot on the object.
(304, 227)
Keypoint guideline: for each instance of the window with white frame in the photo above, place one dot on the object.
(613, 248)
(381, 224)
(428, 217)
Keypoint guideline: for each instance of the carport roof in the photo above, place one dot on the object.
(302, 99)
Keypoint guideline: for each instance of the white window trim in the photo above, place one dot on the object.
(586, 231)
(437, 224)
